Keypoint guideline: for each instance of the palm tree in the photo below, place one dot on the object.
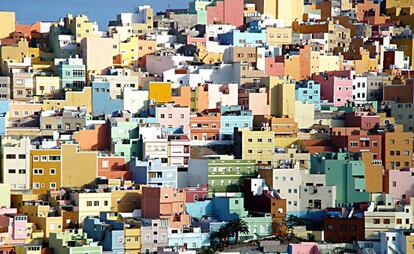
(238, 226)
(221, 235)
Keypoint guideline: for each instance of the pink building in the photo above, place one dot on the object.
(173, 119)
(256, 100)
(363, 120)
(336, 90)
(226, 12)
(300, 248)
(113, 167)
(165, 203)
(274, 66)
(399, 183)
(197, 41)
(14, 224)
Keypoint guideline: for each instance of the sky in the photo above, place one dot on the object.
(30, 11)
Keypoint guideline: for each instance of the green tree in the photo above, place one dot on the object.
(238, 226)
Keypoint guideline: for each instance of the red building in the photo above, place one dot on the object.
(195, 194)
(363, 120)
(356, 140)
(343, 226)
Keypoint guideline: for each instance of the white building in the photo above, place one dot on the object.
(16, 162)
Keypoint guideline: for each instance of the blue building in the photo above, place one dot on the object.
(110, 233)
(225, 209)
(243, 39)
(102, 103)
(153, 173)
(4, 108)
(234, 117)
(309, 91)
(192, 237)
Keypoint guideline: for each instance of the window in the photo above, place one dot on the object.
(22, 171)
(376, 221)
(354, 144)
(105, 164)
(88, 203)
(53, 185)
(10, 156)
(36, 185)
(54, 158)
(44, 158)
(386, 221)
(105, 202)
(12, 171)
(38, 171)
(52, 171)
(95, 203)
(22, 156)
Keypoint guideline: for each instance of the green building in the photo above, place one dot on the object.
(72, 241)
(125, 139)
(199, 7)
(227, 175)
(346, 172)
(72, 74)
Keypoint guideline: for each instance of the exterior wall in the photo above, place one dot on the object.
(102, 103)
(154, 233)
(97, 54)
(397, 149)
(177, 119)
(226, 12)
(205, 126)
(112, 167)
(8, 23)
(91, 203)
(165, 203)
(45, 170)
(281, 97)
(46, 86)
(154, 173)
(309, 91)
(96, 138)
(15, 163)
(86, 166)
(400, 184)
(74, 99)
(160, 92)
(228, 175)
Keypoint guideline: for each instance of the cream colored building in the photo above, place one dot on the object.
(8, 23)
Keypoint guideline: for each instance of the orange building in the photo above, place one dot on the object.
(145, 47)
(165, 203)
(96, 138)
(205, 125)
(45, 170)
(397, 148)
(113, 167)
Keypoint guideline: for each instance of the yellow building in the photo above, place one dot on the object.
(46, 85)
(28, 249)
(79, 168)
(8, 23)
(366, 64)
(278, 36)
(288, 11)
(255, 145)
(91, 203)
(208, 57)
(45, 170)
(125, 201)
(73, 98)
(399, 4)
(304, 114)
(281, 96)
(129, 51)
(13, 54)
(80, 26)
(160, 92)
(43, 218)
(132, 237)
(141, 28)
